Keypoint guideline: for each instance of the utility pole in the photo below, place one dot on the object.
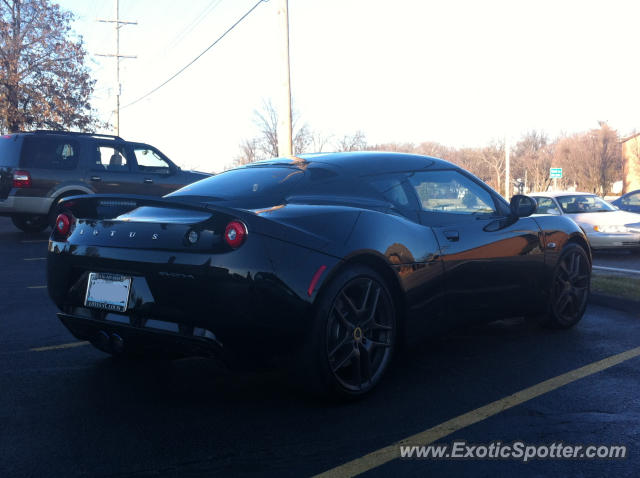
(285, 139)
(118, 23)
(507, 172)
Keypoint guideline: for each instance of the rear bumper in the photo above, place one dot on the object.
(152, 336)
(244, 298)
(25, 205)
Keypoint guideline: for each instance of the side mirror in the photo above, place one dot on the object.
(522, 206)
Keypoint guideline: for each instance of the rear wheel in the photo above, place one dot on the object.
(354, 335)
(570, 288)
(30, 222)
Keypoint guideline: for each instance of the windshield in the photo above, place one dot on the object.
(582, 203)
(246, 187)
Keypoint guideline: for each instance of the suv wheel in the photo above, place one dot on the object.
(30, 223)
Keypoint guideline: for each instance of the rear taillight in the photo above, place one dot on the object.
(21, 179)
(63, 226)
(235, 234)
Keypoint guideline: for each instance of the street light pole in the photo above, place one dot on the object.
(285, 140)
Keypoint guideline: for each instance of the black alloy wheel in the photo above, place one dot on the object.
(355, 333)
(570, 288)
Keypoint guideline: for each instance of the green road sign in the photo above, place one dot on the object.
(555, 173)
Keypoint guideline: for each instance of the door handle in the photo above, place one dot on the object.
(96, 179)
(148, 181)
(452, 236)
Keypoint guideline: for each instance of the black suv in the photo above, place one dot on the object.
(37, 168)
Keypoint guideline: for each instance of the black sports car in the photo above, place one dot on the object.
(334, 259)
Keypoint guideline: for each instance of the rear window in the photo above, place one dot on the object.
(9, 150)
(249, 187)
(49, 153)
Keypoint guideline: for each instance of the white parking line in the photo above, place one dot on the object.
(36, 287)
(35, 258)
(616, 269)
(59, 347)
(34, 241)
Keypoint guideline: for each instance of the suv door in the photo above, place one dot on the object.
(493, 264)
(155, 174)
(110, 171)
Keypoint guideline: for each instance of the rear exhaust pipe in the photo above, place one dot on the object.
(117, 344)
(101, 341)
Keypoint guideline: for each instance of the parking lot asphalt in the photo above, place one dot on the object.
(68, 409)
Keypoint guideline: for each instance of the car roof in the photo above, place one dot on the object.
(362, 162)
(557, 194)
(47, 132)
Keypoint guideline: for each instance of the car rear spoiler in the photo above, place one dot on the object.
(110, 206)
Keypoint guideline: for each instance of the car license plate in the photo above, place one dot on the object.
(108, 291)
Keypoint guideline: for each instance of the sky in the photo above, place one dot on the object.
(459, 72)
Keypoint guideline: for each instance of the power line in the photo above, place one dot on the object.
(193, 24)
(197, 57)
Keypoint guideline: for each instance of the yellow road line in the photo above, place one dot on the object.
(35, 258)
(59, 347)
(391, 452)
(37, 287)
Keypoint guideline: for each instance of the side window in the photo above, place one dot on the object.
(111, 158)
(395, 189)
(546, 206)
(632, 200)
(452, 193)
(49, 153)
(150, 162)
(391, 189)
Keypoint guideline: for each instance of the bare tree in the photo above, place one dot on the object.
(533, 158)
(267, 120)
(492, 157)
(319, 141)
(249, 152)
(592, 160)
(354, 142)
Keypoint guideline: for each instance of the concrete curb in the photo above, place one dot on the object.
(626, 305)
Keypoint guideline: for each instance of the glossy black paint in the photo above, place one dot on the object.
(259, 296)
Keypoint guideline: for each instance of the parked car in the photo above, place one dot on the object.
(38, 168)
(334, 260)
(629, 202)
(605, 225)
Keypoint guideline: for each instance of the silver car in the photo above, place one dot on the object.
(606, 226)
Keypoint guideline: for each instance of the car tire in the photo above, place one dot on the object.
(353, 337)
(30, 223)
(570, 288)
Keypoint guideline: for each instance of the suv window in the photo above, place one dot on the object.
(632, 200)
(9, 150)
(49, 153)
(451, 192)
(111, 158)
(150, 161)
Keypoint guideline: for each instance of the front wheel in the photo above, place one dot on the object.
(30, 223)
(570, 288)
(354, 335)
